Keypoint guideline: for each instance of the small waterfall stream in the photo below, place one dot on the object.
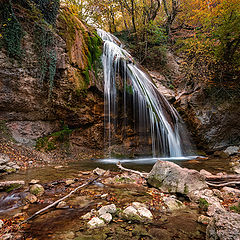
(155, 116)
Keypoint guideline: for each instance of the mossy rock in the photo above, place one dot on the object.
(37, 190)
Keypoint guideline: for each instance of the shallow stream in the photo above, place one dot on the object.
(67, 223)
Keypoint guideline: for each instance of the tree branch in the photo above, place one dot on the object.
(142, 174)
(60, 200)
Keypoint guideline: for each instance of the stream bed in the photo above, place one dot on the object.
(66, 223)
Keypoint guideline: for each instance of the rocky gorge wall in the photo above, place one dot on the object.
(211, 113)
(32, 107)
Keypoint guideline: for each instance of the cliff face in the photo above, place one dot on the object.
(214, 125)
(54, 79)
(211, 114)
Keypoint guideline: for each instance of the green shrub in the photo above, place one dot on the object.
(11, 32)
(49, 9)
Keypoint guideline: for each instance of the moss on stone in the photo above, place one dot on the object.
(50, 142)
(186, 190)
(13, 187)
(203, 204)
(72, 30)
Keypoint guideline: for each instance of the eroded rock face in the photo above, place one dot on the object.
(224, 226)
(213, 125)
(27, 108)
(170, 177)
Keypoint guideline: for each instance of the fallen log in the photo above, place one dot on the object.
(7, 184)
(222, 181)
(142, 174)
(223, 177)
(90, 181)
(223, 184)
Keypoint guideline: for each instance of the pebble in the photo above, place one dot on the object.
(69, 182)
(99, 171)
(104, 195)
(61, 204)
(34, 181)
(31, 198)
(204, 219)
(87, 216)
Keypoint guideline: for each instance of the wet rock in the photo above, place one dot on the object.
(104, 195)
(130, 213)
(173, 204)
(215, 207)
(67, 236)
(107, 217)
(224, 226)
(34, 181)
(205, 173)
(99, 171)
(232, 150)
(37, 189)
(95, 223)
(107, 209)
(221, 154)
(31, 198)
(69, 182)
(138, 205)
(81, 201)
(218, 193)
(204, 219)
(207, 200)
(229, 190)
(26, 207)
(98, 184)
(62, 204)
(58, 167)
(1, 223)
(6, 165)
(169, 177)
(144, 213)
(87, 216)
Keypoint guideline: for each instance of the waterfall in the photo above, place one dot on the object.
(155, 116)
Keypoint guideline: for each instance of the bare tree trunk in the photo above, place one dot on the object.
(124, 18)
(170, 15)
(133, 16)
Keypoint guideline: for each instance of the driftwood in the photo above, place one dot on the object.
(223, 184)
(222, 181)
(211, 180)
(7, 184)
(90, 181)
(142, 174)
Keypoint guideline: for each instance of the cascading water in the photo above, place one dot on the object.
(153, 112)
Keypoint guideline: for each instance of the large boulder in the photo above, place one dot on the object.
(232, 150)
(169, 177)
(224, 226)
